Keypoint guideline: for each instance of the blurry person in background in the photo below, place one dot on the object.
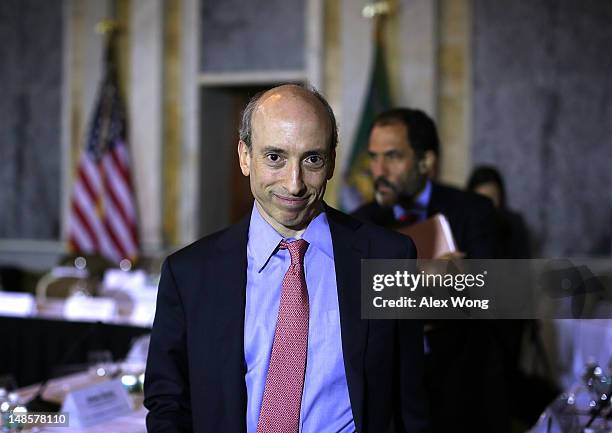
(513, 235)
(403, 150)
(528, 395)
(465, 384)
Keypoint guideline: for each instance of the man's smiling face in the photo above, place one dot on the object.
(289, 161)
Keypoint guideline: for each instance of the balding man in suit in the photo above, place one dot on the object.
(258, 327)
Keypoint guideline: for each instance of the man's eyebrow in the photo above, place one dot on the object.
(392, 152)
(273, 149)
(280, 151)
(321, 151)
(385, 153)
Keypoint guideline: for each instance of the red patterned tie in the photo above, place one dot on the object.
(280, 408)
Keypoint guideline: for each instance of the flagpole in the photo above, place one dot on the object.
(108, 29)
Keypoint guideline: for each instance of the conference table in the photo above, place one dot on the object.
(46, 344)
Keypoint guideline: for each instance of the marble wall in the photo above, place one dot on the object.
(542, 101)
(239, 36)
(30, 124)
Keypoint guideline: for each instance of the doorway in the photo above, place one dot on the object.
(225, 194)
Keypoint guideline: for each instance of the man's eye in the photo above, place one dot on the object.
(273, 157)
(315, 160)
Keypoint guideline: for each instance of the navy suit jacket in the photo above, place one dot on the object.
(196, 367)
(471, 217)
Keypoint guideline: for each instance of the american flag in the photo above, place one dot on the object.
(103, 212)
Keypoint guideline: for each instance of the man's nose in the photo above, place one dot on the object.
(378, 167)
(295, 181)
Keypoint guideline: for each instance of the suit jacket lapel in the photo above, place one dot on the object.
(229, 274)
(348, 252)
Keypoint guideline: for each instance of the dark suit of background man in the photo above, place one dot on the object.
(463, 370)
(258, 326)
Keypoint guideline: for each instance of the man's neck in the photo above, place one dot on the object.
(289, 232)
(411, 201)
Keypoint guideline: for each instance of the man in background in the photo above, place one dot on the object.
(403, 147)
(463, 362)
(258, 327)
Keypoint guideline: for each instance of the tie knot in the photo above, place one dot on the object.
(297, 250)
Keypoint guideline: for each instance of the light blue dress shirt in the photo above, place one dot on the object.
(325, 400)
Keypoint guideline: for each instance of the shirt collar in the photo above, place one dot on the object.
(318, 235)
(264, 239)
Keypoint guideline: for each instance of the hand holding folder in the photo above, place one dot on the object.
(433, 238)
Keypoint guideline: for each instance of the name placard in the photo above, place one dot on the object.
(17, 304)
(97, 403)
(128, 281)
(90, 309)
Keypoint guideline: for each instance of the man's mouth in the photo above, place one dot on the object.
(383, 186)
(383, 189)
(291, 201)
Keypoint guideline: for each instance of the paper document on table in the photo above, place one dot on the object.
(432, 237)
(85, 308)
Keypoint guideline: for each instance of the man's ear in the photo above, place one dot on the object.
(427, 164)
(244, 157)
(332, 164)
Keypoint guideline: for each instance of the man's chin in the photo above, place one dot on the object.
(385, 199)
(294, 219)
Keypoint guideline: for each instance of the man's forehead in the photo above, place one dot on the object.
(283, 120)
(389, 136)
